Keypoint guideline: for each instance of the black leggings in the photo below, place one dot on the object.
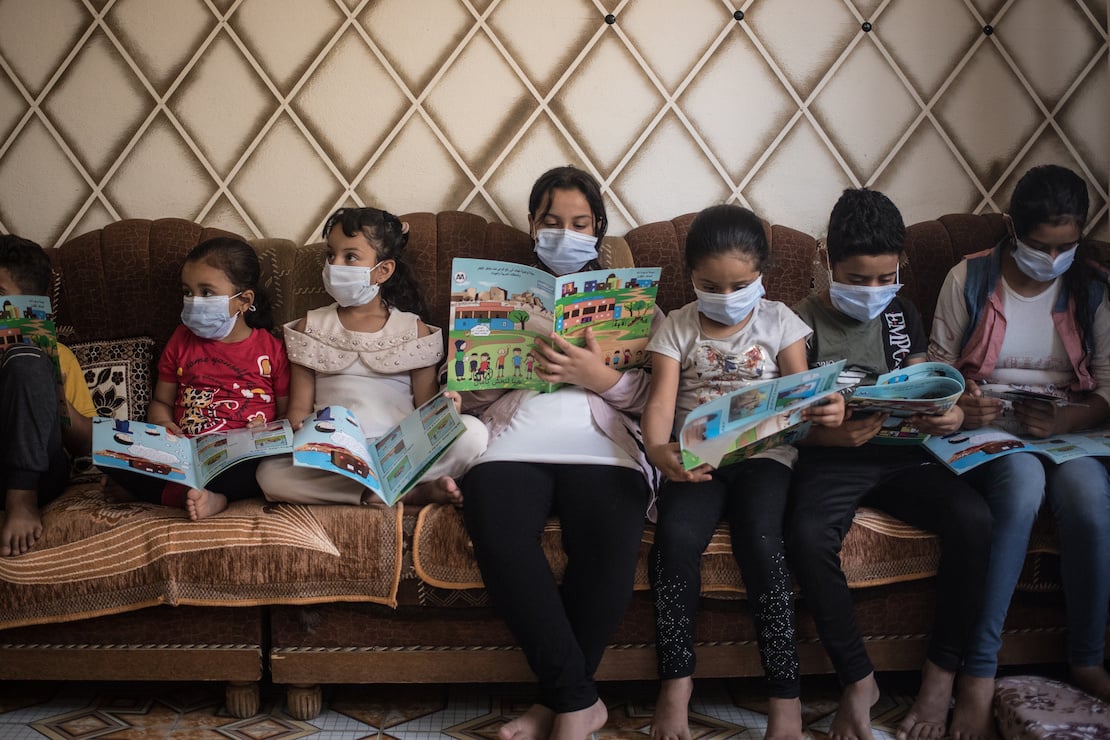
(751, 496)
(31, 454)
(563, 632)
(829, 485)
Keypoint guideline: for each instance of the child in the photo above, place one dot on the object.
(221, 369)
(34, 441)
(863, 320)
(370, 352)
(573, 453)
(1028, 315)
(726, 252)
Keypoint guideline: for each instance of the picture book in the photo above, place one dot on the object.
(964, 450)
(331, 439)
(499, 310)
(28, 319)
(929, 388)
(754, 418)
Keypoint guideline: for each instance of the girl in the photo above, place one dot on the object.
(729, 337)
(574, 453)
(222, 369)
(1027, 315)
(370, 352)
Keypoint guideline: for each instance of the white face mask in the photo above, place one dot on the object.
(564, 250)
(862, 302)
(207, 316)
(1038, 265)
(730, 309)
(350, 285)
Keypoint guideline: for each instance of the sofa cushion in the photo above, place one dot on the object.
(1030, 707)
(878, 550)
(101, 553)
(118, 373)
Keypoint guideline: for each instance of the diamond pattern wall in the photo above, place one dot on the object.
(262, 116)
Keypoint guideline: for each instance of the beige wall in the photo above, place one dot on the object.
(262, 116)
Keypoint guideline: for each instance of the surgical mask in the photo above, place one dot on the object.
(862, 302)
(1038, 265)
(350, 285)
(207, 316)
(565, 251)
(730, 309)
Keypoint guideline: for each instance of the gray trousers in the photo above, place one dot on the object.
(31, 454)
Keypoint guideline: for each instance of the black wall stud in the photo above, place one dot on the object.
(866, 27)
(738, 15)
(988, 30)
(610, 19)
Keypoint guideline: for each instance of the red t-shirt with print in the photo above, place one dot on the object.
(224, 386)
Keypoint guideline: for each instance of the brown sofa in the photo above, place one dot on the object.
(308, 595)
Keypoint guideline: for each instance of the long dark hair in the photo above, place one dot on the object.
(1054, 195)
(568, 178)
(388, 236)
(239, 262)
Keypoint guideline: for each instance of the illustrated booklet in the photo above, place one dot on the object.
(499, 310)
(964, 450)
(754, 418)
(331, 439)
(28, 319)
(929, 388)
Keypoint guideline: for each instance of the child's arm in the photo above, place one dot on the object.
(659, 417)
(425, 380)
(792, 359)
(77, 435)
(160, 410)
(302, 395)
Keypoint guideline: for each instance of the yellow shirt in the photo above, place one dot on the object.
(77, 392)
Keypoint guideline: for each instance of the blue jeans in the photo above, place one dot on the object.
(1079, 494)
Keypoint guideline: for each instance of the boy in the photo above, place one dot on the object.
(34, 467)
(861, 318)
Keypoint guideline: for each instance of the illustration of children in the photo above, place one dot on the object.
(501, 354)
(483, 367)
(529, 363)
(474, 366)
(627, 357)
(460, 358)
(616, 357)
(516, 362)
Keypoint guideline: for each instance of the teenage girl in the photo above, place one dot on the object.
(222, 369)
(729, 337)
(370, 352)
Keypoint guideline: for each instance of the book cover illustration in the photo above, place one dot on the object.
(153, 450)
(500, 309)
(29, 320)
(929, 388)
(331, 439)
(961, 451)
(754, 418)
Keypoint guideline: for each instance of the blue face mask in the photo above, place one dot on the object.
(1038, 265)
(730, 309)
(565, 251)
(207, 316)
(862, 302)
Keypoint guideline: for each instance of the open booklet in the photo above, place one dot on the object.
(754, 418)
(28, 319)
(500, 309)
(929, 388)
(331, 439)
(964, 450)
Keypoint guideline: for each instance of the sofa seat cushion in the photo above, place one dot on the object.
(878, 550)
(102, 553)
(1029, 707)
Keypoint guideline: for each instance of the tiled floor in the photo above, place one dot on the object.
(720, 709)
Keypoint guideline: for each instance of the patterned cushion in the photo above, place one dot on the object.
(1033, 707)
(117, 372)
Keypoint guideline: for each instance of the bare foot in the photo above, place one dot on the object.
(535, 724)
(973, 715)
(853, 716)
(927, 717)
(784, 719)
(1093, 679)
(202, 503)
(443, 490)
(672, 716)
(23, 525)
(581, 724)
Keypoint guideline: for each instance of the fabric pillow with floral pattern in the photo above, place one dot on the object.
(117, 372)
